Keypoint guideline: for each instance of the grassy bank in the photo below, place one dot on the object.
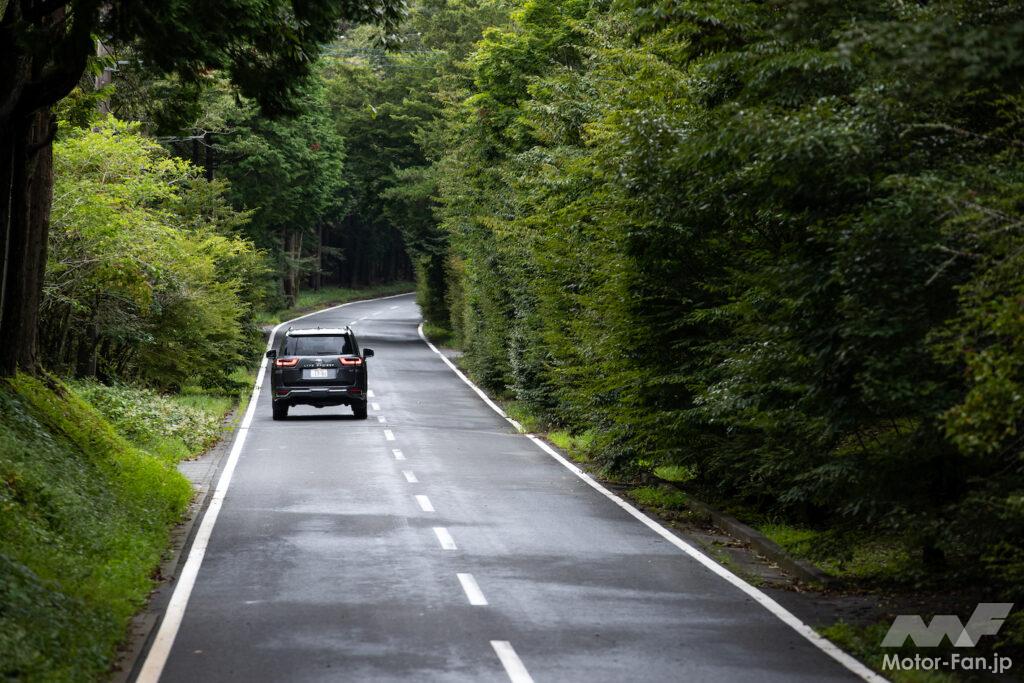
(332, 296)
(88, 495)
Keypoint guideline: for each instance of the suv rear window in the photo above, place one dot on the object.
(319, 345)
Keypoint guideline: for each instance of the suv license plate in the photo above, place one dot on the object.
(318, 374)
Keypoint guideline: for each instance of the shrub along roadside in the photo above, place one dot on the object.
(174, 427)
(84, 519)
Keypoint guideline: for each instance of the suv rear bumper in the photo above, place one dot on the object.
(319, 396)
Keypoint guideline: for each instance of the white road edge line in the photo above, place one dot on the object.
(160, 650)
(445, 538)
(425, 503)
(787, 617)
(399, 455)
(410, 476)
(389, 435)
(472, 590)
(514, 666)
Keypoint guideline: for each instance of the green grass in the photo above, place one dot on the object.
(171, 427)
(869, 558)
(796, 540)
(657, 497)
(578, 446)
(519, 412)
(676, 473)
(864, 642)
(84, 520)
(331, 296)
(440, 336)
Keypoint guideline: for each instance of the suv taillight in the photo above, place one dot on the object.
(286, 362)
(350, 361)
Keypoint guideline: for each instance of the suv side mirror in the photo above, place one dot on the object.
(272, 354)
(367, 353)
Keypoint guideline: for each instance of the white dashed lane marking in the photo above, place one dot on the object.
(444, 538)
(410, 477)
(425, 503)
(389, 435)
(514, 666)
(375, 406)
(399, 455)
(472, 590)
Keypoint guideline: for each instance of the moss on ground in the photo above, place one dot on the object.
(85, 517)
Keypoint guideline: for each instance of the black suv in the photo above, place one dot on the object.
(319, 367)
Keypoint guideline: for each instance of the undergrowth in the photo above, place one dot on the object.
(173, 427)
(84, 520)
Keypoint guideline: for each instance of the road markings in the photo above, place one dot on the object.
(353, 322)
(399, 455)
(369, 392)
(410, 476)
(394, 307)
(160, 650)
(425, 503)
(514, 666)
(375, 406)
(444, 538)
(381, 419)
(472, 590)
(757, 595)
(389, 435)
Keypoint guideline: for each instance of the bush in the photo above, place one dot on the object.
(175, 426)
(147, 278)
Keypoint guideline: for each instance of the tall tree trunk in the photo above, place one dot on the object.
(28, 224)
(287, 283)
(318, 273)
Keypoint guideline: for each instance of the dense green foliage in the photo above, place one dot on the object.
(287, 171)
(266, 50)
(309, 180)
(84, 518)
(148, 277)
(776, 245)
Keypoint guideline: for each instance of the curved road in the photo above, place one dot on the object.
(432, 542)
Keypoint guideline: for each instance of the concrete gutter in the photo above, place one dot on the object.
(801, 569)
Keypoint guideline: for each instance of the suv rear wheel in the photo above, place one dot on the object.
(280, 410)
(359, 410)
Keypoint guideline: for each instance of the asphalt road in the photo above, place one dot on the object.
(433, 543)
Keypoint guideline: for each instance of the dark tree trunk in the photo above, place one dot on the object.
(26, 238)
(35, 75)
(318, 273)
(208, 139)
(87, 344)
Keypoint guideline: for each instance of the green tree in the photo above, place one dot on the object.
(148, 278)
(289, 172)
(266, 48)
